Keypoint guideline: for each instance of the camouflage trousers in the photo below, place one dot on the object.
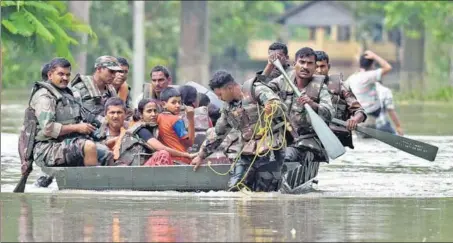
(68, 152)
(300, 166)
(264, 175)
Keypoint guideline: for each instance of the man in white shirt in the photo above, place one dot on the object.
(387, 107)
(363, 84)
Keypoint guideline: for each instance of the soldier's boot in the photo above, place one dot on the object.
(236, 177)
(44, 181)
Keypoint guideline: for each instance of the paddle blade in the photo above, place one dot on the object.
(20, 187)
(328, 139)
(414, 147)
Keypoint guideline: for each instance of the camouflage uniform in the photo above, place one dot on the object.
(55, 108)
(228, 150)
(345, 105)
(91, 96)
(243, 115)
(306, 147)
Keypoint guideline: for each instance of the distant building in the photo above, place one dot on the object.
(332, 27)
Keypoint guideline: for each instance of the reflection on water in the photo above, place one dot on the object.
(44, 217)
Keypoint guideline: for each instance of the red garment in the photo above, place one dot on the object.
(161, 157)
(168, 136)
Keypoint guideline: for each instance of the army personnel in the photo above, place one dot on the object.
(61, 138)
(306, 149)
(346, 106)
(96, 89)
(243, 111)
(276, 51)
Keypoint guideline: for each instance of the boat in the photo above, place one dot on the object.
(163, 178)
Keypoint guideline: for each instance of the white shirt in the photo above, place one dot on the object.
(363, 85)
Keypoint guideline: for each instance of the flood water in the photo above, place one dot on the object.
(372, 193)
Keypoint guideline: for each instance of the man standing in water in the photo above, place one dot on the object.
(363, 84)
(242, 111)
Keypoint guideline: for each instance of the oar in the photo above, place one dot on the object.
(414, 147)
(328, 139)
(20, 187)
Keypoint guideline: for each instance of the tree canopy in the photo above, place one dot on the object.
(31, 28)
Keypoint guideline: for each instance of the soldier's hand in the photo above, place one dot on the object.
(272, 57)
(85, 128)
(351, 123)
(306, 100)
(399, 131)
(196, 162)
(268, 108)
(190, 111)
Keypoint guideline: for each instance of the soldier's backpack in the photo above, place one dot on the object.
(27, 136)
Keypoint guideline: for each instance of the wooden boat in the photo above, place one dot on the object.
(161, 178)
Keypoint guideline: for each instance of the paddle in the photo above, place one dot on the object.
(328, 139)
(20, 187)
(414, 147)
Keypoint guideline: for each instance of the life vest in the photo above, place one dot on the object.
(334, 84)
(67, 112)
(297, 115)
(95, 100)
(202, 124)
(132, 149)
(245, 117)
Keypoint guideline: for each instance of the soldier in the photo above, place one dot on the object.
(61, 138)
(346, 106)
(96, 89)
(122, 88)
(306, 150)
(243, 111)
(276, 50)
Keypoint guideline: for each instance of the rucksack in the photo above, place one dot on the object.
(27, 137)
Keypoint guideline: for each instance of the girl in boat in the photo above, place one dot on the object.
(138, 145)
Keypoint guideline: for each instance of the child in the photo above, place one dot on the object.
(172, 131)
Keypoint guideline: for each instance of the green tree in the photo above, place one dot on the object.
(34, 27)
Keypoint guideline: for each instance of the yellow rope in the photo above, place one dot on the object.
(266, 131)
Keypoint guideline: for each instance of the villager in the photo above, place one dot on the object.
(363, 85)
(173, 132)
(139, 145)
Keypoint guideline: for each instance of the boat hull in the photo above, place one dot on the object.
(142, 178)
(161, 178)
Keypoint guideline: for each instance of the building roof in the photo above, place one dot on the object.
(318, 13)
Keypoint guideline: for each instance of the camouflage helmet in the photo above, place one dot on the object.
(108, 62)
